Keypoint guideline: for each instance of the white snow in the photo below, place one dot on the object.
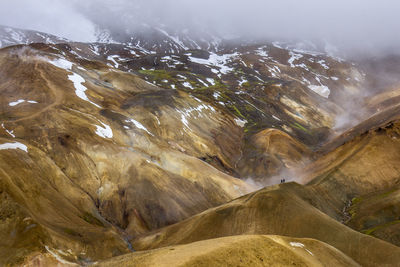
(277, 45)
(104, 36)
(216, 72)
(211, 81)
(275, 70)
(242, 81)
(61, 63)
(58, 258)
(323, 64)
(297, 244)
(112, 59)
(240, 122)
(19, 101)
(194, 112)
(158, 120)
(215, 60)
(184, 120)
(8, 131)
(293, 57)
(322, 90)
(170, 59)
(165, 58)
(173, 38)
(261, 52)
(140, 126)
(202, 82)
(133, 53)
(302, 65)
(95, 49)
(104, 131)
(334, 78)
(188, 85)
(181, 76)
(300, 245)
(17, 36)
(306, 81)
(15, 145)
(276, 118)
(80, 88)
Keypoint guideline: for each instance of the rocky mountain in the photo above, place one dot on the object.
(13, 36)
(176, 147)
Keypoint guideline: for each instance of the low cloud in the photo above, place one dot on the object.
(350, 25)
(56, 17)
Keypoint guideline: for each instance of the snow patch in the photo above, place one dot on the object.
(15, 145)
(242, 81)
(95, 49)
(8, 131)
(297, 244)
(194, 112)
(175, 39)
(322, 90)
(104, 131)
(80, 88)
(240, 122)
(188, 85)
(19, 101)
(215, 60)
(61, 63)
(112, 59)
(300, 245)
(277, 45)
(293, 57)
(181, 76)
(58, 258)
(18, 37)
(275, 71)
(323, 64)
(211, 81)
(276, 118)
(140, 126)
(261, 52)
(202, 82)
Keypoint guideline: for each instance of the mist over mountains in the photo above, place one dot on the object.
(350, 26)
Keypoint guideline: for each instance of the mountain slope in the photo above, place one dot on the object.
(91, 166)
(362, 171)
(10, 36)
(109, 147)
(281, 210)
(243, 250)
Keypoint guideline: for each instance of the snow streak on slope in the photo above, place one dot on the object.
(15, 145)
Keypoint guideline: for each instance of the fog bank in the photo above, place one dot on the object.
(349, 25)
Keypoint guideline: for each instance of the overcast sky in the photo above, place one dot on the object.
(351, 24)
